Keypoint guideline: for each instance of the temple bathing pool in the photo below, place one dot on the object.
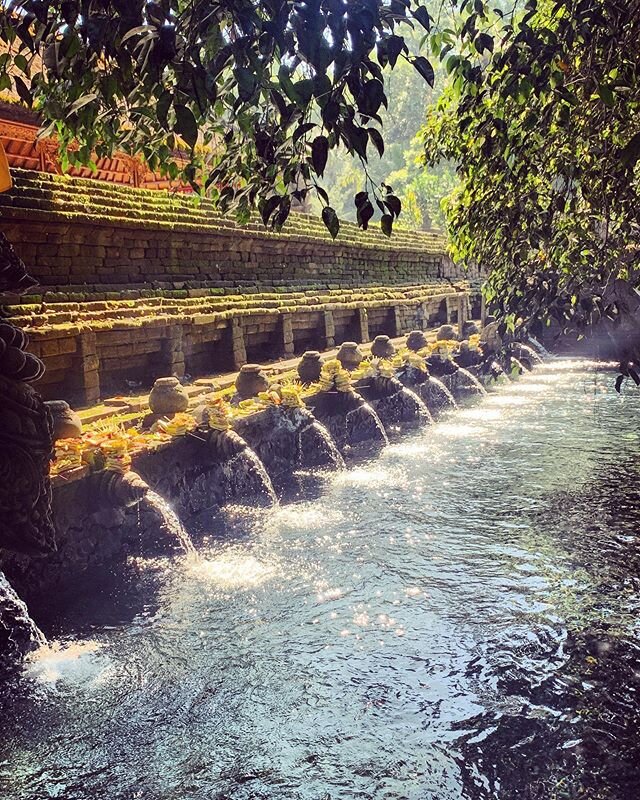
(457, 618)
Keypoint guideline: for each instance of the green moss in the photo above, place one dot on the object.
(115, 204)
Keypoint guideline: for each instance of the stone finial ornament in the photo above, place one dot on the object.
(416, 340)
(383, 347)
(66, 422)
(491, 337)
(469, 329)
(309, 366)
(251, 381)
(350, 355)
(446, 333)
(168, 397)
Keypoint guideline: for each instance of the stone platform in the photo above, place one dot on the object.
(94, 348)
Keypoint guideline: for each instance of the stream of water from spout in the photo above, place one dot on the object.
(170, 520)
(472, 381)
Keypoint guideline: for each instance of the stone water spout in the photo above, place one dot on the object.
(395, 404)
(289, 439)
(526, 354)
(109, 489)
(430, 390)
(350, 420)
(461, 383)
(114, 493)
(317, 448)
(205, 470)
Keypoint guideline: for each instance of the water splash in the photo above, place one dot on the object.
(318, 446)
(75, 661)
(170, 520)
(231, 570)
(256, 470)
(470, 382)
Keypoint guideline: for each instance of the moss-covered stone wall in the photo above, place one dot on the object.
(73, 232)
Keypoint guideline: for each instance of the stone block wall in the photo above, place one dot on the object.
(73, 232)
(138, 284)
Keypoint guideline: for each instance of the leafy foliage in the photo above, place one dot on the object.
(256, 93)
(542, 120)
(421, 189)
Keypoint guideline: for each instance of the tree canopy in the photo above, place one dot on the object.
(542, 122)
(258, 92)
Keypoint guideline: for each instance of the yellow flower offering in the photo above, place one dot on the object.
(474, 341)
(291, 394)
(219, 414)
(445, 347)
(386, 369)
(179, 425)
(68, 454)
(270, 398)
(116, 455)
(334, 377)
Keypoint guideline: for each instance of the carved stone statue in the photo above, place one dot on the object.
(26, 440)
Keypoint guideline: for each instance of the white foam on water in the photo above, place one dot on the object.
(231, 570)
(480, 414)
(507, 400)
(361, 476)
(76, 662)
(454, 430)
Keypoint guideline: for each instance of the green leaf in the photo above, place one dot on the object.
(82, 101)
(606, 95)
(21, 62)
(364, 214)
(422, 15)
(319, 154)
(186, 125)
(269, 207)
(393, 204)
(425, 69)
(23, 90)
(378, 141)
(484, 42)
(331, 221)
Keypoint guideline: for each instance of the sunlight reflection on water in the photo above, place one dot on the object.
(231, 570)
